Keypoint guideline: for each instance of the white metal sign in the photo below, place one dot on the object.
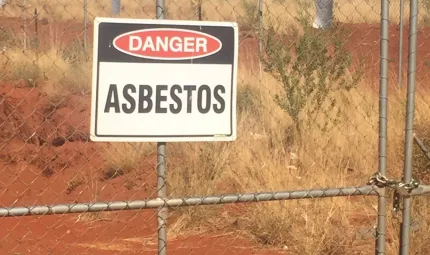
(164, 80)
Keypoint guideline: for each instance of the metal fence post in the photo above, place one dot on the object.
(161, 170)
(116, 7)
(199, 9)
(162, 193)
(401, 42)
(260, 33)
(36, 28)
(380, 231)
(410, 108)
(85, 24)
(24, 26)
(159, 9)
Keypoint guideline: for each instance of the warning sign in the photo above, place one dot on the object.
(164, 80)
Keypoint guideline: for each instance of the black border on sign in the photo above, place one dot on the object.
(233, 65)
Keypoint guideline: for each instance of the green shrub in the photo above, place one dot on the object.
(309, 73)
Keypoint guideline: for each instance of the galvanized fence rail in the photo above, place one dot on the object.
(379, 184)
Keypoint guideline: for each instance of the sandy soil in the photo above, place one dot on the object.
(42, 147)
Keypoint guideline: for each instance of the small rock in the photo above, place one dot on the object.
(58, 141)
(47, 171)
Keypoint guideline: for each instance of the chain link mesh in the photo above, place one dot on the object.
(307, 125)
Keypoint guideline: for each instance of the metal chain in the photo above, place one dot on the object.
(382, 181)
(400, 189)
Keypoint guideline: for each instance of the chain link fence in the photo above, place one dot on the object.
(322, 163)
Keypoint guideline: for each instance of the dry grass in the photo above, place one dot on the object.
(50, 70)
(122, 158)
(258, 161)
(281, 11)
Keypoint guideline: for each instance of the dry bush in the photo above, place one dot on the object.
(55, 74)
(7, 38)
(421, 162)
(420, 243)
(28, 72)
(75, 182)
(122, 158)
(320, 226)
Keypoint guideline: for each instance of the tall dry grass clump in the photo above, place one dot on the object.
(123, 158)
(420, 213)
(57, 71)
(420, 229)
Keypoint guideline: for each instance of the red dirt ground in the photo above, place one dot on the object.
(43, 147)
